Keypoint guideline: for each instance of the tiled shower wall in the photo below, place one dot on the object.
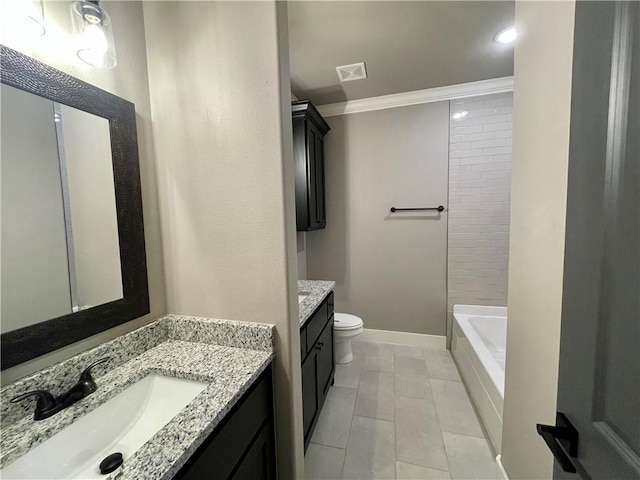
(479, 193)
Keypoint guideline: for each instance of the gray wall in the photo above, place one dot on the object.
(130, 81)
(479, 200)
(220, 93)
(92, 202)
(35, 272)
(390, 270)
(542, 107)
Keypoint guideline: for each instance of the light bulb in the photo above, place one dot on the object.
(94, 46)
(94, 34)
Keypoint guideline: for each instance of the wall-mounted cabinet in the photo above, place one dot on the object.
(309, 129)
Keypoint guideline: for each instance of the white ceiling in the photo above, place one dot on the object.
(406, 45)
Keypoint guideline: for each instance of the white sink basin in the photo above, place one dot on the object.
(301, 298)
(122, 424)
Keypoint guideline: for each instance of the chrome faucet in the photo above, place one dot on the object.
(48, 405)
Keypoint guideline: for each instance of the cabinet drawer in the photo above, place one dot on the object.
(219, 455)
(316, 325)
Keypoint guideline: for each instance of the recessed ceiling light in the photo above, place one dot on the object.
(507, 35)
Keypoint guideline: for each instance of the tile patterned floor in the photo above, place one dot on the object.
(398, 412)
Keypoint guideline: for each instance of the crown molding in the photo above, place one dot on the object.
(449, 92)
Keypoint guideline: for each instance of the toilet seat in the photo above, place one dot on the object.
(346, 321)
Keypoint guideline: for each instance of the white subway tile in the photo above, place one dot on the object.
(466, 191)
(466, 176)
(496, 151)
(492, 127)
(491, 167)
(459, 130)
(475, 159)
(498, 102)
(502, 158)
(462, 122)
(500, 133)
(491, 119)
(496, 174)
(458, 169)
(472, 137)
(475, 183)
(466, 153)
(455, 147)
(497, 142)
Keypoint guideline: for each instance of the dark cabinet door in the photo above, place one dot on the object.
(259, 461)
(309, 129)
(309, 393)
(243, 445)
(325, 361)
(320, 219)
(314, 174)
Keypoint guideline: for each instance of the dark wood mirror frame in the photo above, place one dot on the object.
(30, 75)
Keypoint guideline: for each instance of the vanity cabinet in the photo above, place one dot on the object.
(309, 129)
(242, 446)
(318, 364)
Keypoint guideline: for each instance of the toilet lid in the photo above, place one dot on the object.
(346, 321)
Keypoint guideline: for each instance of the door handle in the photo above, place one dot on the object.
(563, 431)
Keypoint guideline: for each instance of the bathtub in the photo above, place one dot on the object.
(478, 344)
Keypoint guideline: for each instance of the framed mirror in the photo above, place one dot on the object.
(72, 254)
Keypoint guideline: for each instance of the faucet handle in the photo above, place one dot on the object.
(46, 401)
(85, 376)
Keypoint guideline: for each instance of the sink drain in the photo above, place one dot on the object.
(111, 463)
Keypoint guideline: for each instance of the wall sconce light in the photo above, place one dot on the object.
(93, 32)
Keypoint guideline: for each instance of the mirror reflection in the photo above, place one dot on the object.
(59, 248)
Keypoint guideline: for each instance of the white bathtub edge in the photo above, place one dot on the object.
(403, 338)
(480, 310)
(501, 467)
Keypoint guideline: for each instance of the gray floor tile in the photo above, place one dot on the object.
(385, 349)
(348, 375)
(410, 366)
(379, 357)
(455, 413)
(407, 471)
(418, 434)
(412, 386)
(334, 422)
(440, 364)
(322, 462)
(358, 347)
(470, 458)
(376, 396)
(370, 452)
(408, 351)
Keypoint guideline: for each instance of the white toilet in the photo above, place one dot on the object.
(345, 328)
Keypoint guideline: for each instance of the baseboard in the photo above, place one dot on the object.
(501, 467)
(404, 338)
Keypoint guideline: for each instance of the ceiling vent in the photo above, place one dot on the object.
(356, 71)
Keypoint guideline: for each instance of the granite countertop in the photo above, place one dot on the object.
(315, 291)
(229, 370)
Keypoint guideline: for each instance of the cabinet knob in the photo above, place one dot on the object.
(319, 345)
